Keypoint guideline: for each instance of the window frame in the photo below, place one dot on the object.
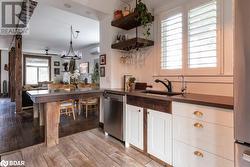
(184, 9)
(38, 57)
(162, 16)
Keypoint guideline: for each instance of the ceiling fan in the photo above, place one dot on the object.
(49, 54)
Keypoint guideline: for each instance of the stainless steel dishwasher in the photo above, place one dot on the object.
(114, 108)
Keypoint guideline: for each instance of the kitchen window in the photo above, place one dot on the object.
(36, 69)
(190, 39)
(202, 36)
(171, 42)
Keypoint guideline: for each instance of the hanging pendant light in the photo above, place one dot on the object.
(71, 54)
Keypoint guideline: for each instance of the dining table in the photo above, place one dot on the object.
(50, 99)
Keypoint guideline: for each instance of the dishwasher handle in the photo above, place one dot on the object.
(115, 97)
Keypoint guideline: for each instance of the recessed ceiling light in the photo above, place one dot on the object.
(67, 5)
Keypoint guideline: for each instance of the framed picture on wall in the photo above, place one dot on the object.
(56, 71)
(103, 59)
(84, 68)
(102, 71)
(56, 63)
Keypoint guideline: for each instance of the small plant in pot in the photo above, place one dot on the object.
(131, 84)
(65, 64)
(144, 17)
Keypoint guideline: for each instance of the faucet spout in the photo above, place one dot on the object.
(168, 85)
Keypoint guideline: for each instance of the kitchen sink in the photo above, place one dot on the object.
(161, 93)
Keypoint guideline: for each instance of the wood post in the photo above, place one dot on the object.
(41, 114)
(52, 114)
(18, 72)
(12, 68)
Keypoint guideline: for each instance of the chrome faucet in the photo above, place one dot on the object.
(183, 84)
(168, 85)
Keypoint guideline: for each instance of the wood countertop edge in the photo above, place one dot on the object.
(198, 99)
(222, 101)
(205, 103)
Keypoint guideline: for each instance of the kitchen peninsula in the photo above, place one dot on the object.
(51, 100)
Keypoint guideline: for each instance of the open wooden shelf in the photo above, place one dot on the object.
(133, 43)
(128, 22)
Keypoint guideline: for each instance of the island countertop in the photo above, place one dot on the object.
(44, 96)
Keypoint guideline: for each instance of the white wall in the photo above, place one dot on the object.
(147, 71)
(53, 59)
(87, 56)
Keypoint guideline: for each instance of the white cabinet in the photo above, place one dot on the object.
(134, 124)
(188, 156)
(203, 136)
(160, 135)
(210, 137)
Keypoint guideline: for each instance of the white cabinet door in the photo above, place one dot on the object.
(160, 135)
(135, 126)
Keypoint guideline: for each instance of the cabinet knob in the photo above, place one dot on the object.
(198, 154)
(198, 125)
(198, 113)
(139, 110)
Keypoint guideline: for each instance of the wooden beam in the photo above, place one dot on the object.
(12, 53)
(52, 116)
(18, 72)
(0, 72)
(28, 7)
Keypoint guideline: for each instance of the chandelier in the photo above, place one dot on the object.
(71, 54)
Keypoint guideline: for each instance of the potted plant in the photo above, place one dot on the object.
(65, 64)
(131, 84)
(96, 75)
(144, 17)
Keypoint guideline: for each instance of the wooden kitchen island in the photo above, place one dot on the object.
(51, 102)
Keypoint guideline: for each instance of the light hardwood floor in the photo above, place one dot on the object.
(89, 149)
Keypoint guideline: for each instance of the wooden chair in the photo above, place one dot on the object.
(83, 85)
(67, 107)
(55, 86)
(90, 102)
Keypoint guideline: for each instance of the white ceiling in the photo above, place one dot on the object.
(50, 27)
(50, 24)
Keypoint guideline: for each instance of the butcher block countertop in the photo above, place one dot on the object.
(199, 99)
(44, 96)
(207, 100)
(40, 96)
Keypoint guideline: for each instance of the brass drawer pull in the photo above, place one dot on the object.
(198, 113)
(198, 125)
(198, 154)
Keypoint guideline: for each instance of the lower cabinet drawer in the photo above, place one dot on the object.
(212, 138)
(212, 115)
(188, 156)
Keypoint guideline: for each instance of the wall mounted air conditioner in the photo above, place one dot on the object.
(95, 51)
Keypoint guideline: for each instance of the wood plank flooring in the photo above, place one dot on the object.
(20, 130)
(85, 149)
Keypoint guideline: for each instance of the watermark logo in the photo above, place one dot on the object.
(4, 163)
(14, 17)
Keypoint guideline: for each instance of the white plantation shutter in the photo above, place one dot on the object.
(202, 36)
(171, 42)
